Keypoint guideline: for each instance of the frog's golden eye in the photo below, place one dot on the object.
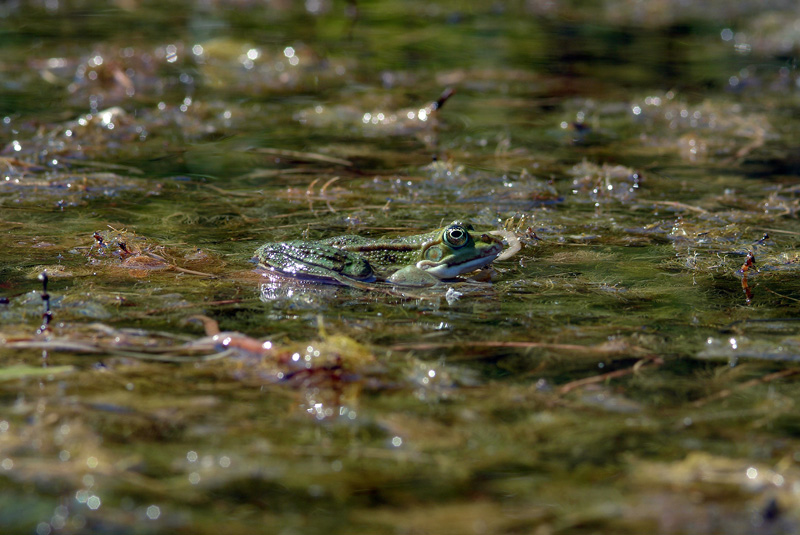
(434, 254)
(456, 236)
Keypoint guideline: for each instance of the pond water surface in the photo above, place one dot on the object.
(632, 369)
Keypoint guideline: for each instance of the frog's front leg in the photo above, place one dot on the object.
(413, 276)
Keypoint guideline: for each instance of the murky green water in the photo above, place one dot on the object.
(623, 373)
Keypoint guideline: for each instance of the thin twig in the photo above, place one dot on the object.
(747, 384)
(178, 268)
(781, 231)
(102, 165)
(601, 349)
(610, 375)
(229, 193)
(303, 156)
(192, 305)
(781, 295)
(676, 204)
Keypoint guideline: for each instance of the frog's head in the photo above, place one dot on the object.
(457, 249)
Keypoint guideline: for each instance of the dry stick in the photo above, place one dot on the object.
(324, 189)
(781, 295)
(747, 384)
(676, 204)
(323, 192)
(229, 193)
(157, 354)
(53, 345)
(191, 305)
(269, 173)
(610, 375)
(781, 231)
(748, 148)
(545, 345)
(102, 165)
(178, 268)
(303, 156)
(310, 195)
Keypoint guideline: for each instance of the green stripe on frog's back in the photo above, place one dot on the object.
(384, 254)
(314, 259)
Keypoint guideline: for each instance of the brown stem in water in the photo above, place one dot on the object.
(747, 384)
(610, 375)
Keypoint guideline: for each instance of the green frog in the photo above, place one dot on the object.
(420, 260)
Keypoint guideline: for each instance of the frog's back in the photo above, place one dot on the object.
(383, 254)
(314, 260)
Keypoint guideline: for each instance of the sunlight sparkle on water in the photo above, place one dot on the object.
(172, 53)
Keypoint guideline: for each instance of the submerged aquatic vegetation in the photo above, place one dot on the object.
(628, 364)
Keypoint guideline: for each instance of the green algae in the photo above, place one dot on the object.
(613, 376)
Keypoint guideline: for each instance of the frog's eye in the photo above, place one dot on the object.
(456, 236)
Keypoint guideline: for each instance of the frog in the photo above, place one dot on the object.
(417, 260)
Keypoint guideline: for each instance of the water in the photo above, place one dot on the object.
(622, 373)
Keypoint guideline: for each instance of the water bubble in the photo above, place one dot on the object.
(93, 503)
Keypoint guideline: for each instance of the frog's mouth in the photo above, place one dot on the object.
(449, 270)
